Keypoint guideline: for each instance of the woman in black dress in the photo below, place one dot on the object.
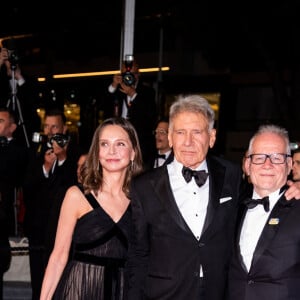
(95, 220)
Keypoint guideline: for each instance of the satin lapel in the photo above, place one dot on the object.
(216, 182)
(240, 220)
(279, 212)
(170, 158)
(161, 186)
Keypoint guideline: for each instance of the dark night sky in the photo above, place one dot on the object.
(242, 36)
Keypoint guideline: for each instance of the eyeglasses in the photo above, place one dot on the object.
(160, 132)
(275, 158)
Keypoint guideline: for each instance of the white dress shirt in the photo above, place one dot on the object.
(191, 199)
(254, 222)
(160, 161)
(125, 105)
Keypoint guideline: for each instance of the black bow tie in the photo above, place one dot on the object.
(163, 156)
(251, 203)
(200, 176)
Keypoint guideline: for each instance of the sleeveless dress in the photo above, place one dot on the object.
(99, 249)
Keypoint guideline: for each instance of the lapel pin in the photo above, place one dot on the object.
(274, 221)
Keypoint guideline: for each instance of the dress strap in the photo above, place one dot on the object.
(91, 199)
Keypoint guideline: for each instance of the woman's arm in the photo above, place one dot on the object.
(70, 211)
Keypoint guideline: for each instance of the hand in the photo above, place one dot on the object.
(3, 56)
(117, 79)
(61, 153)
(293, 190)
(49, 159)
(128, 90)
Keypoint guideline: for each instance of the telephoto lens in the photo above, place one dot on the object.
(38, 137)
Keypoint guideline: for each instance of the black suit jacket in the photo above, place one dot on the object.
(164, 255)
(168, 160)
(43, 196)
(13, 164)
(275, 269)
(142, 113)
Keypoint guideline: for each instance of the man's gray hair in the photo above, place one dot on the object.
(195, 104)
(271, 128)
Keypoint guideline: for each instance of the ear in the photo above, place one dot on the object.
(212, 137)
(289, 161)
(13, 127)
(132, 155)
(246, 165)
(65, 129)
(170, 139)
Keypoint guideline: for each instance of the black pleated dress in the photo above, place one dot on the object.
(96, 267)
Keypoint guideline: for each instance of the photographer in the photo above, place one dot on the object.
(14, 85)
(129, 97)
(13, 160)
(52, 170)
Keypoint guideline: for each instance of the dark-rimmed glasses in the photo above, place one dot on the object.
(275, 158)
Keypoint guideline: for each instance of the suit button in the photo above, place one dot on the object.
(250, 281)
(200, 245)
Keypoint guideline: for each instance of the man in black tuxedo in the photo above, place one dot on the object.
(52, 170)
(13, 160)
(164, 152)
(266, 256)
(13, 164)
(183, 220)
(135, 101)
(180, 245)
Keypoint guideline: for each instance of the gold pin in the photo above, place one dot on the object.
(274, 221)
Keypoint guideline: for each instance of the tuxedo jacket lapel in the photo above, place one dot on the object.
(162, 188)
(279, 212)
(240, 217)
(216, 182)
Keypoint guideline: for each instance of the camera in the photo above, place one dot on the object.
(38, 137)
(13, 58)
(61, 139)
(128, 76)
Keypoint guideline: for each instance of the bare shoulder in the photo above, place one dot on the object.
(74, 189)
(75, 201)
(73, 195)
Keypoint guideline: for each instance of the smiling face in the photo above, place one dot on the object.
(115, 149)
(268, 177)
(190, 137)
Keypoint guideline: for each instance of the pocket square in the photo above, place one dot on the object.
(225, 199)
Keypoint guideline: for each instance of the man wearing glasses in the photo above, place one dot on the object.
(164, 151)
(266, 256)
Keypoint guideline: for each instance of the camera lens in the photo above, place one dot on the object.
(128, 78)
(60, 139)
